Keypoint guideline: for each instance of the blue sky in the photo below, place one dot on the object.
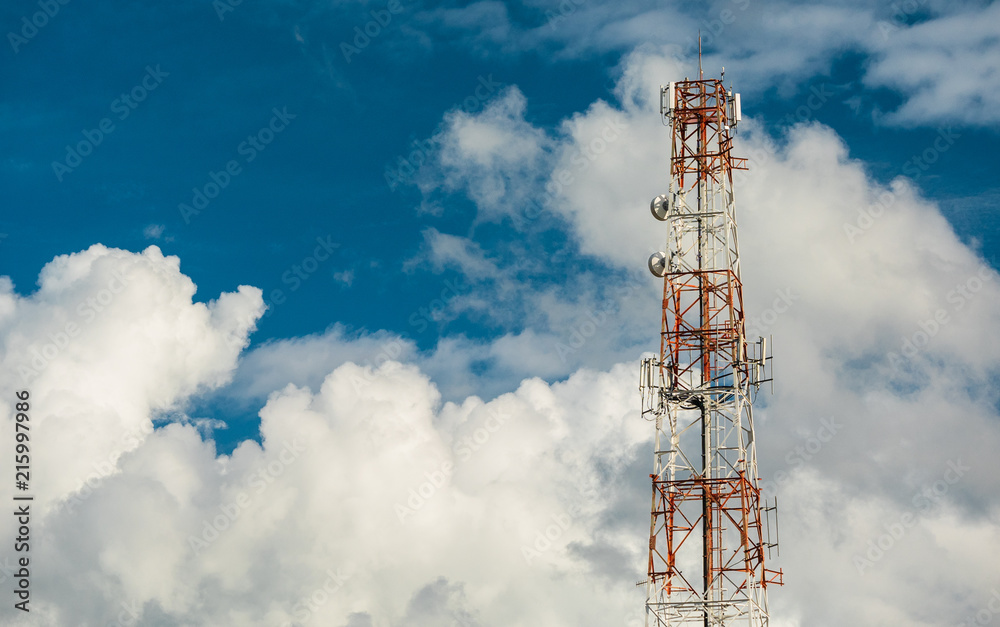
(218, 75)
(324, 175)
(375, 188)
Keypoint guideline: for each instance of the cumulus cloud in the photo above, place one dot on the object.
(109, 340)
(882, 323)
(368, 501)
(373, 498)
(335, 517)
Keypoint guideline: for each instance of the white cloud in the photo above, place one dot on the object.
(373, 500)
(109, 340)
(490, 154)
(153, 231)
(488, 19)
(346, 277)
(937, 55)
(883, 324)
(578, 29)
(368, 498)
(554, 331)
(445, 250)
(307, 360)
(945, 67)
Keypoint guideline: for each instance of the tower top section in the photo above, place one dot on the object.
(703, 116)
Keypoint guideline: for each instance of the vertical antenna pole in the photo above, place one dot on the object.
(701, 74)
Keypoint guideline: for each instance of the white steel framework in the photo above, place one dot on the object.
(707, 540)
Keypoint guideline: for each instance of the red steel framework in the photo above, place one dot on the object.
(707, 534)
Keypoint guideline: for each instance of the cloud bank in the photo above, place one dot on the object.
(374, 499)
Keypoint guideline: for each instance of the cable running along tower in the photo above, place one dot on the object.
(708, 530)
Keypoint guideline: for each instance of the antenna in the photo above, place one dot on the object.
(707, 546)
(701, 75)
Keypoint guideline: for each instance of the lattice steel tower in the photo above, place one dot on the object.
(708, 531)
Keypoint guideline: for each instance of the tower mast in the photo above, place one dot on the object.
(707, 534)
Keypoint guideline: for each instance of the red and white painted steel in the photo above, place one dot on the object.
(708, 536)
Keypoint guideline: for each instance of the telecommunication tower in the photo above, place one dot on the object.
(708, 529)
